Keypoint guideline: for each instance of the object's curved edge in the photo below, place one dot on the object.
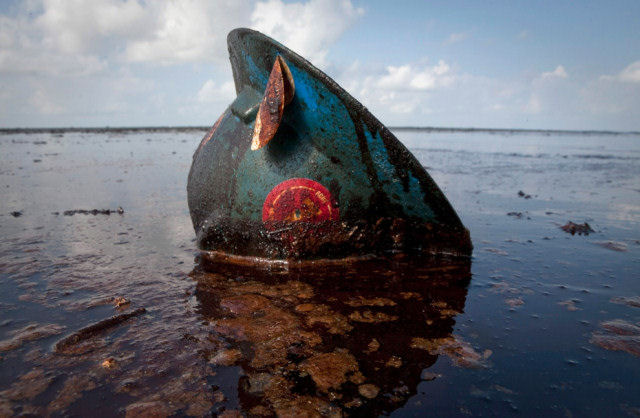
(444, 211)
(220, 257)
(209, 258)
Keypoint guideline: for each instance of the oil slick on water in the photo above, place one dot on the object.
(540, 321)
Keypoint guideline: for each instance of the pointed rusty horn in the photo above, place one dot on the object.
(278, 94)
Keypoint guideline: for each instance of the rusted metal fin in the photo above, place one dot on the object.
(279, 93)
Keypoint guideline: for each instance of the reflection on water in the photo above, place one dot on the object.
(350, 339)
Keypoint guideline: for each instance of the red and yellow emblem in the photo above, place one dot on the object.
(299, 200)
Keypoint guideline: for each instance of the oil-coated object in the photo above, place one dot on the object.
(297, 169)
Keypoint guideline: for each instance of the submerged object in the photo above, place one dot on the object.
(297, 169)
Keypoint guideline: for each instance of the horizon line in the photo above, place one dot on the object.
(391, 128)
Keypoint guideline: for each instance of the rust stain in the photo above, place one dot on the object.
(279, 93)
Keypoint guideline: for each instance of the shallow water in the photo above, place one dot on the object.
(539, 322)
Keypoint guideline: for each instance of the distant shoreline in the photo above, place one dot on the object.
(124, 129)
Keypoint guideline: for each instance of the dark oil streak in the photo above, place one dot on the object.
(94, 329)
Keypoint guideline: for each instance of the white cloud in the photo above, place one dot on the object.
(614, 98)
(396, 77)
(406, 107)
(214, 92)
(307, 28)
(441, 94)
(630, 74)
(613, 95)
(88, 62)
(414, 77)
(77, 26)
(75, 37)
(548, 92)
(397, 90)
(82, 59)
(188, 31)
(24, 50)
(50, 63)
(121, 62)
(456, 37)
(559, 72)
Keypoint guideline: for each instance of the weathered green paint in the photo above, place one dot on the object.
(246, 104)
(327, 136)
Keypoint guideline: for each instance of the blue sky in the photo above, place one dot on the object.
(503, 64)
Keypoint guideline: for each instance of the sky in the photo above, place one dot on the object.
(531, 64)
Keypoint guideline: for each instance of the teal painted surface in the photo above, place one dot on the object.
(325, 135)
(322, 129)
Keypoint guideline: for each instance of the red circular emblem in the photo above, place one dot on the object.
(299, 199)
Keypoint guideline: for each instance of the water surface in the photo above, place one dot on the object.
(538, 322)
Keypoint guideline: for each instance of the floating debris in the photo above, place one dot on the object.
(109, 363)
(16, 214)
(580, 229)
(121, 302)
(524, 195)
(95, 329)
(94, 212)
